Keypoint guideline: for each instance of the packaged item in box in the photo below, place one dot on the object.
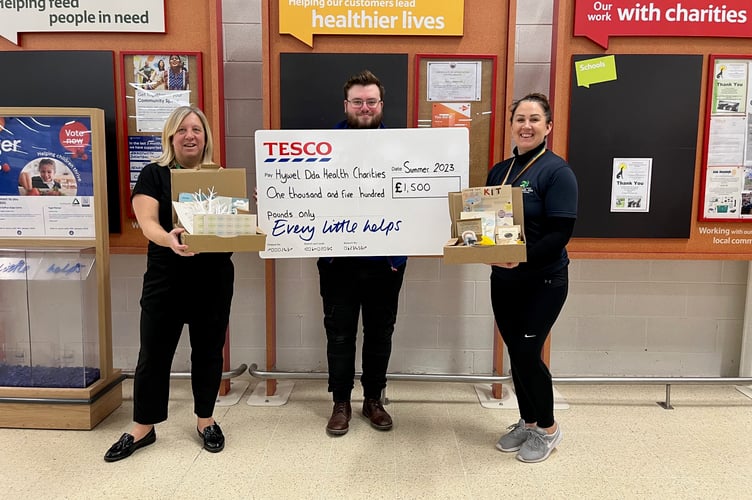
(508, 235)
(488, 222)
(470, 230)
(224, 224)
(471, 199)
(222, 204)
(226, 183)
(497, 199)
(457, 252)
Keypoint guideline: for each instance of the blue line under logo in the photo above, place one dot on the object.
(298, 160)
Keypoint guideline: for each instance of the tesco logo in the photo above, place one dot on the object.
(297, 151)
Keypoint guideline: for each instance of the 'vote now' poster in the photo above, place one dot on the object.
(358, 192)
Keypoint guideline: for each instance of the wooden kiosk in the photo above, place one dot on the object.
(55, 317)
(96, 71)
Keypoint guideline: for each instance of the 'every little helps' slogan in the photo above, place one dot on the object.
(358, 192)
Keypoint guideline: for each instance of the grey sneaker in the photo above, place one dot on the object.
(539, 445)
(512, 440)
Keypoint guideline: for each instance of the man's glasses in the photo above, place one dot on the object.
(358, 103)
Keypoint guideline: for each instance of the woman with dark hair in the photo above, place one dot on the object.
(176, 77)
(527, 297)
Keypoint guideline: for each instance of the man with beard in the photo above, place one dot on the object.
(351, 284)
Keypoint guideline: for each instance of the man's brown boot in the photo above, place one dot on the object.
(338, 422)
(376, 413)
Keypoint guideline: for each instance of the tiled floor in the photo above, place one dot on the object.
(618, 443)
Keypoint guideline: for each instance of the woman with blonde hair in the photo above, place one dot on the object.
(175, 278)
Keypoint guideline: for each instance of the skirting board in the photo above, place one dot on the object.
(508, 399)
(259, 397)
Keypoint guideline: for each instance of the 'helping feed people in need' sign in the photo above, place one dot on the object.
(358, 192)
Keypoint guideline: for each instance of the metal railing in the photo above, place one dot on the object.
(499, 379)
(187, 375)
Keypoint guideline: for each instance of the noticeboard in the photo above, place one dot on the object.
(459, 91)
(726, 192)
(635, 119)
(153, 84)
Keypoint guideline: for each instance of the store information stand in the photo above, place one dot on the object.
(55, 318)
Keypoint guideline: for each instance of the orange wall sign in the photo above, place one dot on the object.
(451, 114)
(598, 20)
(27, 16)
(305, 18)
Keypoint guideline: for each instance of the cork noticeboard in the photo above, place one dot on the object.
(470, 102)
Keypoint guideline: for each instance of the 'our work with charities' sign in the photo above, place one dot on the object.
(358, 192)
(597, 20)
(304, 18)
(18, 16)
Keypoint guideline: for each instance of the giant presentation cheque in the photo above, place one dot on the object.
(358, 192)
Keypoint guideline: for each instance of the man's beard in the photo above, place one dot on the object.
(353, 122)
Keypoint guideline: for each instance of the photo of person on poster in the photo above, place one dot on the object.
(47, 177)
(176, 77)
(150, 72)
(158, 82)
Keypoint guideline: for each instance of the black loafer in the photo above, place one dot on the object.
(125, 446)
(214, 440)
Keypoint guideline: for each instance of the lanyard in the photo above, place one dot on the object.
(529, 164)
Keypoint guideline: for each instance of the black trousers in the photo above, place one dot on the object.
(525, 311)
(160, 334)
(349, 285)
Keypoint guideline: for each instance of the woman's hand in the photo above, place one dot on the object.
(506, 265)
(175, 244)
(146, 209)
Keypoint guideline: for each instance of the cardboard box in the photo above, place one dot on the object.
(224, 182)
(455, 252)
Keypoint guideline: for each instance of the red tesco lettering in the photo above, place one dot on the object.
(298, 148)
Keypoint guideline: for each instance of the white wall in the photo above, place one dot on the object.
(621, 318)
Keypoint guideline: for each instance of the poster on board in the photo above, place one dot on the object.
(630, 185)
(46, 177)
(727, 180)
(358, 192)
(154, 84)
(161, 83)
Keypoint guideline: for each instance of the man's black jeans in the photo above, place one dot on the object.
(349, 285)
